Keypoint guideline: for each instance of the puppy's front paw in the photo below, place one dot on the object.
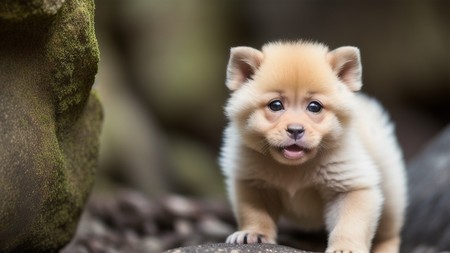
(248, 237)
(344, 251)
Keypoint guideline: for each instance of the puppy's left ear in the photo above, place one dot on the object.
(243, 63)
(346, 64)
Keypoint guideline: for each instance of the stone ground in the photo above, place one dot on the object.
(129, 222)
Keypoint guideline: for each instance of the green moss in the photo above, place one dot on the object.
(73, 50)
(69, 183)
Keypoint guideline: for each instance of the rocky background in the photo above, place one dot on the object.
(161, 79)
(161, 83)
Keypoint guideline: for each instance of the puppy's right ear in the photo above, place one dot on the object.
(346, 63)
(243, 63)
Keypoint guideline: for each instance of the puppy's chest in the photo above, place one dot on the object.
(299, 197)
(288, 182)
(305, 207)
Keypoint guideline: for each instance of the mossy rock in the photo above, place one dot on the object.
(50, 121)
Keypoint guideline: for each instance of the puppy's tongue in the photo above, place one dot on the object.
(293, 152)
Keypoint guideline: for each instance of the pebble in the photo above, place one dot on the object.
(129, 222)
(212, 227)
(181, 207)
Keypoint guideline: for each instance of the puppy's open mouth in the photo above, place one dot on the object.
(293, 152)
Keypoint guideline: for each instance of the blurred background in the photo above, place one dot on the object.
(162, 72)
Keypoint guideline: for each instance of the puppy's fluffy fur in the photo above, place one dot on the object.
(303, 143)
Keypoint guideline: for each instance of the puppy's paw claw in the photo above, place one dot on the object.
(344, 251)
(248, 237)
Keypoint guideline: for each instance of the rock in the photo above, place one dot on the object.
(49, 121)
(181, 206)
(236, 248)
(428, 225)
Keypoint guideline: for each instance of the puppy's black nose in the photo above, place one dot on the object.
(295, 131)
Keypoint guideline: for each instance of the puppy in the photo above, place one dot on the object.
(303, 143)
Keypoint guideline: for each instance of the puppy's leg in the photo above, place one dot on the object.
(390, 245)
(256, 210)
(352, 219)
(387, 238)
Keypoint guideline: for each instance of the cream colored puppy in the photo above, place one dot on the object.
(303, 143)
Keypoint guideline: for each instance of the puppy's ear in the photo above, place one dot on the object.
(346, 63)
(243, 63)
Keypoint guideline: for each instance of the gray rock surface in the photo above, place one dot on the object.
(427, 227)
(236, 248)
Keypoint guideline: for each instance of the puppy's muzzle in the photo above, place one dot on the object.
(295, 131)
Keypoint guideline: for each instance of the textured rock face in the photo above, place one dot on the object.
(49, 121)
(427, 227)
(236, 248)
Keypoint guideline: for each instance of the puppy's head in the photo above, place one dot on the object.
(292, 100)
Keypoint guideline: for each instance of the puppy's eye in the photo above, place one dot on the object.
(314, 107)
(276, 106)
